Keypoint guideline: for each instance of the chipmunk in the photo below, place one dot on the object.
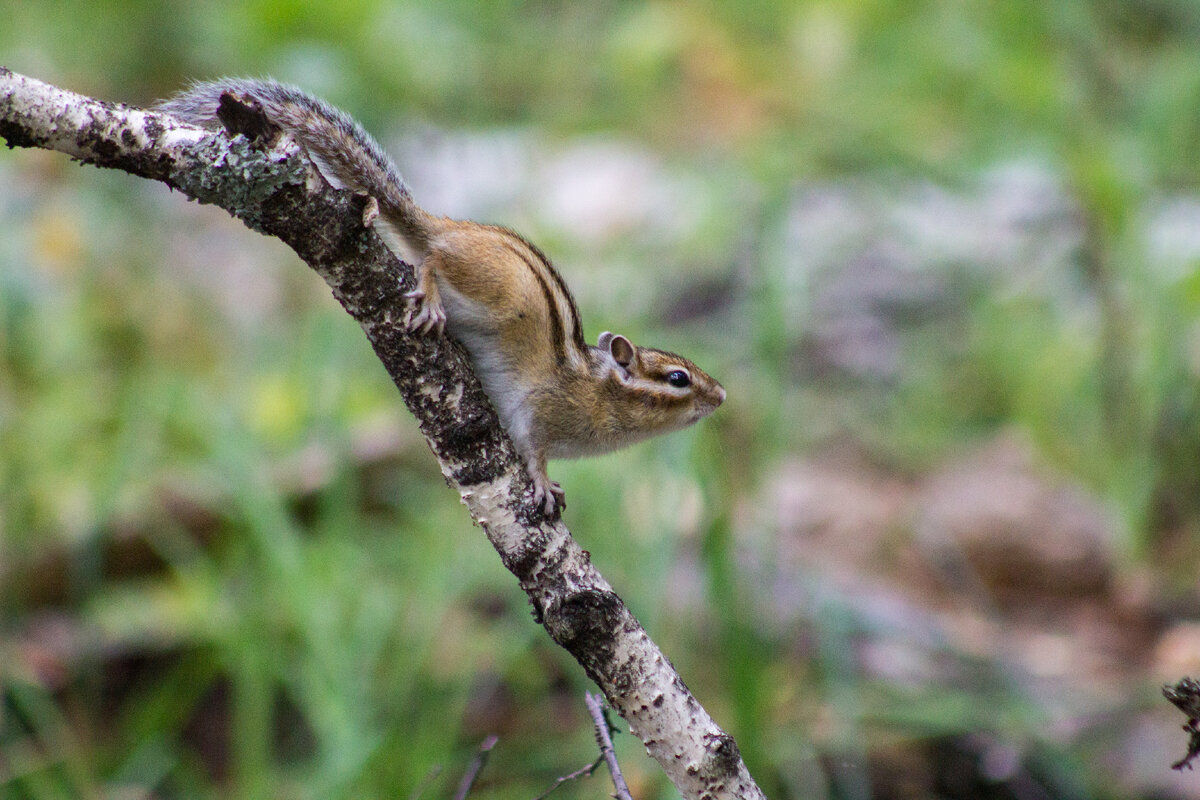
(496, 293)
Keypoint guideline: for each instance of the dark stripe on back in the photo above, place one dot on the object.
(556, 325)
(576, 325)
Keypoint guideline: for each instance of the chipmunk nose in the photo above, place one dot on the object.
(720, 395)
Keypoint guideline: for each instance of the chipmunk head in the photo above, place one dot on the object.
(664, 391)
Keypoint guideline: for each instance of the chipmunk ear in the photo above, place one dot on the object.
(617, 346)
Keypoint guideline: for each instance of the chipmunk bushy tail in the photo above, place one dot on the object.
(346, 155)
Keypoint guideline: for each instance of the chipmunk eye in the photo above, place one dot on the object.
(679, 379)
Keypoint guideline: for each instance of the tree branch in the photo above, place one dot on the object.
(273, 189)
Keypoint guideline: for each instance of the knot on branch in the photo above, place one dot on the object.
(246, 116)
(721, 758)
(586, 622)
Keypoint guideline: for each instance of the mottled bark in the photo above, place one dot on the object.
(266, 182)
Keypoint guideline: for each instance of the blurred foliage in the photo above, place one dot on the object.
(338, 630)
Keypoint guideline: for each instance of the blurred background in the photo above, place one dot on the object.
(942, 541)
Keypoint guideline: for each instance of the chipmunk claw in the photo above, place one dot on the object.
(424, 315)
(548, 494)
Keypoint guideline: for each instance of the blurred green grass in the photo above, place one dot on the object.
(342, 632)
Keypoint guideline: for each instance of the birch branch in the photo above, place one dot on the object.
(272, 188)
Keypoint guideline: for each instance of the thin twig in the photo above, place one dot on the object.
(595, 704)
(574, 776)
(475, 767)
